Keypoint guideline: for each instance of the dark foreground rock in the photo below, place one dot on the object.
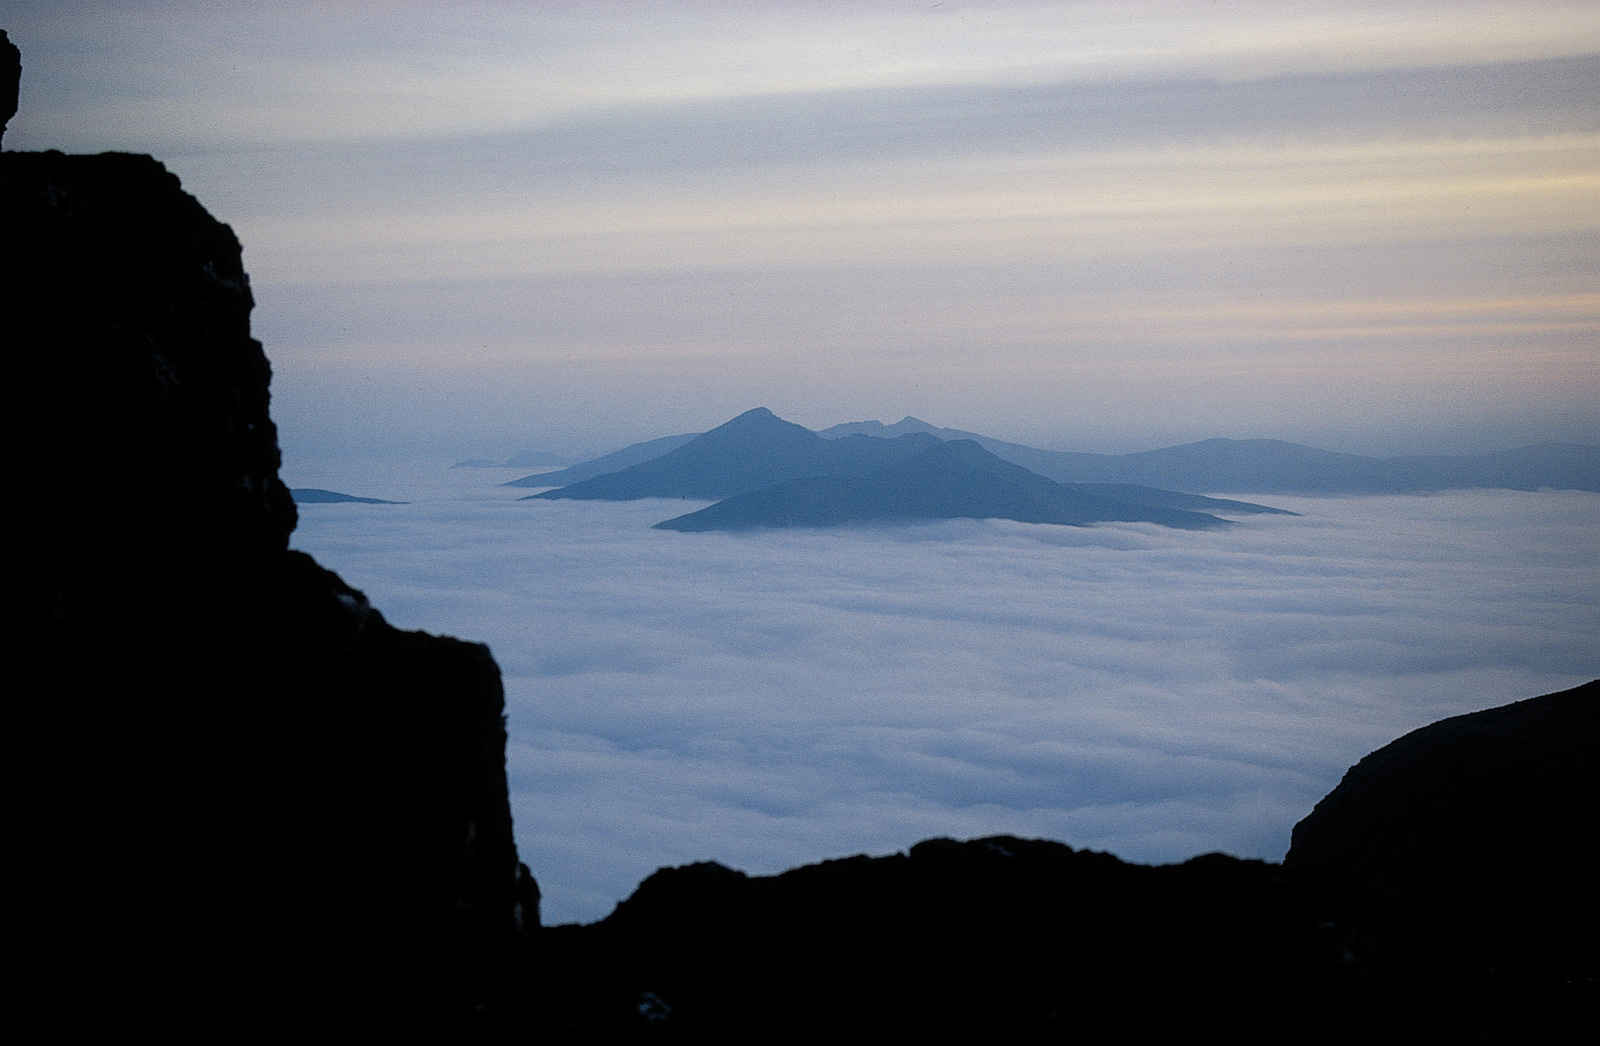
(1480, 825)
(998, 939)
(1442, 893)
(235, 795)
(1013, 940)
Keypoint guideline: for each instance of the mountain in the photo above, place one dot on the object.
(1255, 466)
(1156, 497)
(753, 451)
(772, 473)
(1561, 466)
(957, 479)
(318, 496)
(781, 474)
(1259, 466)
(613, 462)
(906, 426)
(1269, 466)
(1031, 458)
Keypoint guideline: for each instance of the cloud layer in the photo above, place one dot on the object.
(770, 699)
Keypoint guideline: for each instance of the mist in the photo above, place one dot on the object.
(773, 698)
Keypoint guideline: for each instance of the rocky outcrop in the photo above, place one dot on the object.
(235, 795)
(1443, 892)
(10, 80)
(1480, 826)
(991, 940)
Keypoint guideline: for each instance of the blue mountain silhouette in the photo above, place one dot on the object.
(754, 450)
(945, 480)
(1260, 466)
(768, 472)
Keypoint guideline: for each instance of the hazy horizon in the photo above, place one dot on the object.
(1103, 443)
(484, 227)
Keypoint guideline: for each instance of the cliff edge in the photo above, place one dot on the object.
(236, 794)
(1479, 825)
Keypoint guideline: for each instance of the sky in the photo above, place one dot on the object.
(776, 698)
(475, 228)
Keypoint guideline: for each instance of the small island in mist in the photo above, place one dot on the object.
(1259, 466)
(764, 472)
(767, 472)
(318, 496)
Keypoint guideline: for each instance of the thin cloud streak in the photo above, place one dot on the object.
(473, 228)
(776, 698)
(184, 75)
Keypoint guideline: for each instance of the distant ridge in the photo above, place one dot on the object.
(754, 450)
(764, 471)
(906, 426)
(318, 496)
(523, 459)
(1274, 466)
(1254, 466)
(1269, 466)
(613, 462)
(954, 479)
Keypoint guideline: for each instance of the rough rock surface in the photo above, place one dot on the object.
(234, 792)
(1481, 826)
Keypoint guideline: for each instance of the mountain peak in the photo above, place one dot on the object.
(737, 455)
(758, 423)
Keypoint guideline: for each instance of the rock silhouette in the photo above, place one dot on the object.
(10, 80)
(235, 793)
(1476, 825)
(773, 473)
(1441, 893)
(996, 939)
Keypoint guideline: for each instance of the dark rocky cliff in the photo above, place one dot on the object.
(989, 940)
(234, 792)
(1480, 825)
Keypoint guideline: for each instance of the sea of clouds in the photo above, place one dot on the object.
(775, 698)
